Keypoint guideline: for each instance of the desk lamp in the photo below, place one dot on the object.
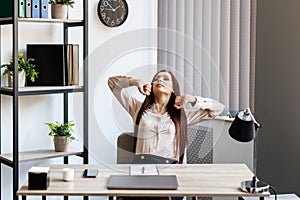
(243, 129)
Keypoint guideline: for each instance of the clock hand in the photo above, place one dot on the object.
(108, 9)
(117, 7)
(110, 6)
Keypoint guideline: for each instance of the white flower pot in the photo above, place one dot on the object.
(59, 11)
(21, 78)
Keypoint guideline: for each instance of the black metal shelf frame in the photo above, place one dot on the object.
(15, 93)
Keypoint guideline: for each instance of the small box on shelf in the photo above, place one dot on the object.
(38, 178)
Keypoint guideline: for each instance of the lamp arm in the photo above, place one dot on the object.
(248, 111)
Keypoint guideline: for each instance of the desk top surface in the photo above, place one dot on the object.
(205, 180)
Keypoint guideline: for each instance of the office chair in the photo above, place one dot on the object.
(125, 150)
(199, 150)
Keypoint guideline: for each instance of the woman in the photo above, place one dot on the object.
(161, 119)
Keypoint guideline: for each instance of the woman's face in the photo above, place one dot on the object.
(162, 83)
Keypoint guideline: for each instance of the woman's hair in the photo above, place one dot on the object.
(177, 115)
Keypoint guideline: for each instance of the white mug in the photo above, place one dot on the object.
(68, 174)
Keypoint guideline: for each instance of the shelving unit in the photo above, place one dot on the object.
(13, 159)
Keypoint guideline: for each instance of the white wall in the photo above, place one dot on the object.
(126, 50)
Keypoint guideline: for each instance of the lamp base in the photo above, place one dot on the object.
(257, 187)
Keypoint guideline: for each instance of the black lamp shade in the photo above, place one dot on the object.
(242, 130)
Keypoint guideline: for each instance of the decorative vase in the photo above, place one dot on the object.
(61, 143)
(21, 78)
(59, 11)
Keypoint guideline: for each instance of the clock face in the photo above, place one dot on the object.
(112, 13)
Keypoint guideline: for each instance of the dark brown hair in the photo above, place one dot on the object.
(177, 115)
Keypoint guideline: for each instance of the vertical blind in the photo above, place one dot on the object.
(210, 46)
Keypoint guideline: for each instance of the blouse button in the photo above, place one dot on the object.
(167, 161)
(142, 157)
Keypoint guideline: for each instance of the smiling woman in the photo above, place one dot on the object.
(112, 13)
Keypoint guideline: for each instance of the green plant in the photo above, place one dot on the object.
(65, 2)
(62, 129)
(23, 65)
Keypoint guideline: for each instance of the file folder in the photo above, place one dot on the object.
(28, 9)
(35, 9)
(44, 8)
(22, 8)
(6, 8)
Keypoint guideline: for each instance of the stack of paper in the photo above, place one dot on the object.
(143, 170)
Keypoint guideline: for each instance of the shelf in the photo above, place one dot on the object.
(36, 155)
(41, 90)
(9, 20)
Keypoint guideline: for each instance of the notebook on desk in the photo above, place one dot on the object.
(155, 182)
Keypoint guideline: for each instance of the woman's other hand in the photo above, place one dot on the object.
(181, 101)
(144, 89)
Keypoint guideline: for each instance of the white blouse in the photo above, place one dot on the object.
(156, 132)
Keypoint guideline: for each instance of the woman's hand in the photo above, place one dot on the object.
(144, 89)
(181, 101)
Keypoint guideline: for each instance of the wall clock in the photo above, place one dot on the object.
(112, 13)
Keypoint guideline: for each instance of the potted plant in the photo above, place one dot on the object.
(62, 134)
(25, 68)
(59, 8)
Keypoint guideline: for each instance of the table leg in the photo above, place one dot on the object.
(66, 197)
(44, 197)
(23, 197)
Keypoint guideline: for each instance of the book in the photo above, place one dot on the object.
(143, 170)
(72, 64)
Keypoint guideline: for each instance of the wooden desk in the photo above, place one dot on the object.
(206, 180)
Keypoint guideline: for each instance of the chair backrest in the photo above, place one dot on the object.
(125, 150)
(200, 145)
(199, 150)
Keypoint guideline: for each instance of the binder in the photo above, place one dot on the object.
(28, 9)
(6, 8)
(57, 64)
(44, 8)
(35, 9)
(22, 8)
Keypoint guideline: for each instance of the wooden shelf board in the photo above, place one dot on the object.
(38, 155)
(43, 20)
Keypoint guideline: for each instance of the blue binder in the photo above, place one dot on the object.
(44, 8)
(35, 11)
